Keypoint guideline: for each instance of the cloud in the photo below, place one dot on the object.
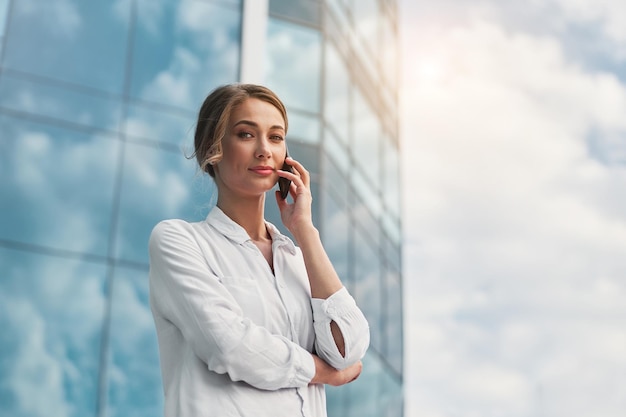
(515, 227)
(610, 15)
(202, 30)
(51, 313)
(61, 17)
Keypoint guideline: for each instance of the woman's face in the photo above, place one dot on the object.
(252, 150)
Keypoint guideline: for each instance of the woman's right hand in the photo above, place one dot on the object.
(326, 374)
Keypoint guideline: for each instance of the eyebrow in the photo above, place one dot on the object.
(254, 124)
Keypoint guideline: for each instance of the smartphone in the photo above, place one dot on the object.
(283, 183)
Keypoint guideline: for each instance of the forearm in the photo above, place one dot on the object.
(326, 374)
(323, 279)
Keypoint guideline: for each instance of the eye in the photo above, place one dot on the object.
(244, 134)
(277, 138)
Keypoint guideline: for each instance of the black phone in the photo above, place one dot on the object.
(283, 183)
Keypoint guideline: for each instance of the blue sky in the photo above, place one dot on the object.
(514, 146)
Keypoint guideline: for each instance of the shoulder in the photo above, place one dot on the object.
(171, 231)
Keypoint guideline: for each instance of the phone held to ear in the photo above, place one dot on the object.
(283, 183)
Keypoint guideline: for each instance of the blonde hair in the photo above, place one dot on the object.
(214, 116)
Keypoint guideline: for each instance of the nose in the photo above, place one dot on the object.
(263, 149)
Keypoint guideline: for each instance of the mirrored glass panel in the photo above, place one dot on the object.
(166, 126)
(368, 197)
(4, 8)
(364, 393)
(391, 177)
(335, 233)
(334, 178)
(306, 11)
(336, 401)
(304, 127)
(393, 247)
(184, 49)
(79, 42)
(74, 106)
(307, 155)
(336, 94)
(51, 313)
(391, 395)
(366, 142)
(393, 320)
(337, 152)
(389, 53)
(293, 64)
(368, 285)
(158, 185)
(57, 186)
(134, 377)
(365, 39)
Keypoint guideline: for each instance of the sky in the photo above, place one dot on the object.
(514, 164)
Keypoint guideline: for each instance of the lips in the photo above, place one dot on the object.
(262, 170)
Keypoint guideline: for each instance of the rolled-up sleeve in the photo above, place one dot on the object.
(342, 309)
(189, 295)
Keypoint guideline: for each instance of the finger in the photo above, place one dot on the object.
(299, 170)
(293, 190)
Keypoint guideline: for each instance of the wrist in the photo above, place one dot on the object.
(304, 231)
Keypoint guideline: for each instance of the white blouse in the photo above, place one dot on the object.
(234, 338)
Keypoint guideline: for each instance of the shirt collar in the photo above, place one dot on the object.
(233, 231)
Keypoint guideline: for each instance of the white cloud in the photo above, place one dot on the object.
(610, 14)
(515, 228)
(60, 16)
(202, 30)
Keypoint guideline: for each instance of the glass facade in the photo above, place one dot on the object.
(97, 110)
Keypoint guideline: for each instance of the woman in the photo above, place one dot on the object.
(249, 324)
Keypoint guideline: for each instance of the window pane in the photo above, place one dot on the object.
(156, 124)
(364, 393)
(366, 140)
(335, 234)
(134, 383)
(51, 312)
(369, 199)
(366, 16)
(367, 276)
(303, 127)
(4, 8)
(158, 185)
(334, 178)
(393, 320)
(75, 41)
(336, 94)
(393, 251)
(336, 401)
(56, 185)
(391, 174)
(307, 155)
(389, 53)
(51, 100)
(307, 11)
(293, 64)
(337, 152)
(391, 395)
(183, 50)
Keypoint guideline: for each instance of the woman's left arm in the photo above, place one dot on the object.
(341, 328)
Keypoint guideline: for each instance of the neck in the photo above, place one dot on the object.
(246, 212)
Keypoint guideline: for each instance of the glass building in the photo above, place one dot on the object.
(98, 101)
